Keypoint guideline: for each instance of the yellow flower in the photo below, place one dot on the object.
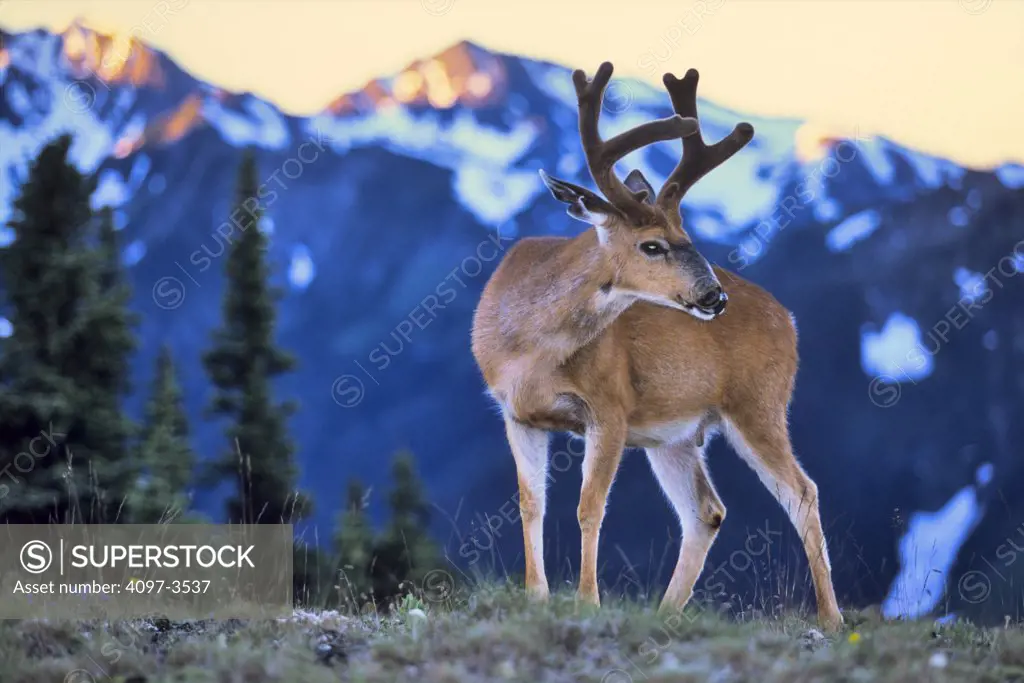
(854, 638)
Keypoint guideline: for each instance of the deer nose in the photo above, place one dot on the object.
(711, 298)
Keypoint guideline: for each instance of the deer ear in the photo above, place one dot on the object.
(584, 205)
(638, 185)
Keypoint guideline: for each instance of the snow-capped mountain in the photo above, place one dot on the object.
(389, 209)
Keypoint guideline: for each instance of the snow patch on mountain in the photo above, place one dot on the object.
(479, 154)
(488, 143)
(302, 270)
(927, 552)
(260, 125)
(135, 127)
(133, 253)
(569, 164)
(93, 141)
(959, 216)
(737, 190)
(426, 136)
(124, 102)
(930, 172)
(1011, 176)
(554, 81)
(495, 195)
(874, 152)
(33, 52)
(706, 226)
(18, 99)
(852, 230)
(972, 285)
(934, 172)
(826, 210)
(110, 190)
(140, 169)
(895, 351)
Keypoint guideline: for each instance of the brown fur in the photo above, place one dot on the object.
(563, 345)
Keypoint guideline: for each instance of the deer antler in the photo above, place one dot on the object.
(601, 154)
(698, 158)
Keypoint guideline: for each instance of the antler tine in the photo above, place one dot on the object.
(602, 155)
(699, 158)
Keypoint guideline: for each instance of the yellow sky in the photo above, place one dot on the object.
(945, 76)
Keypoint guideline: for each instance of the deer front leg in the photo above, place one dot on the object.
(530, 450)
(603, 452)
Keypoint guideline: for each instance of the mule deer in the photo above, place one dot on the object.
(617, 335)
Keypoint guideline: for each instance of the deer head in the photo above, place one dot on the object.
(652, 256)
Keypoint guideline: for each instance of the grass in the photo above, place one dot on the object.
(496, 634)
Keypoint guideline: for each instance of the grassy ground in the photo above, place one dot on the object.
(495, 634)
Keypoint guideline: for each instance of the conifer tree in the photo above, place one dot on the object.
(163, 453)
(353, 543)
(405, 553)
(241, 365)
(63, 435)
(108, 344)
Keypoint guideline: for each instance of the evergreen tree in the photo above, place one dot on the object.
(406, 552)
(63, 436)
(353, 543)
(164, 454)
(109, 272)
(108, 345)
(242, 363)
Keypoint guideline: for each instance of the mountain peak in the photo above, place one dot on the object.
(462, 74)
(117, 57)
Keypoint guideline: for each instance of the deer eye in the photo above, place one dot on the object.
(653, 248)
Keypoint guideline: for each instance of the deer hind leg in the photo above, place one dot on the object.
(763, 442)
(530, 450)
(602, 454)
(683, 476)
